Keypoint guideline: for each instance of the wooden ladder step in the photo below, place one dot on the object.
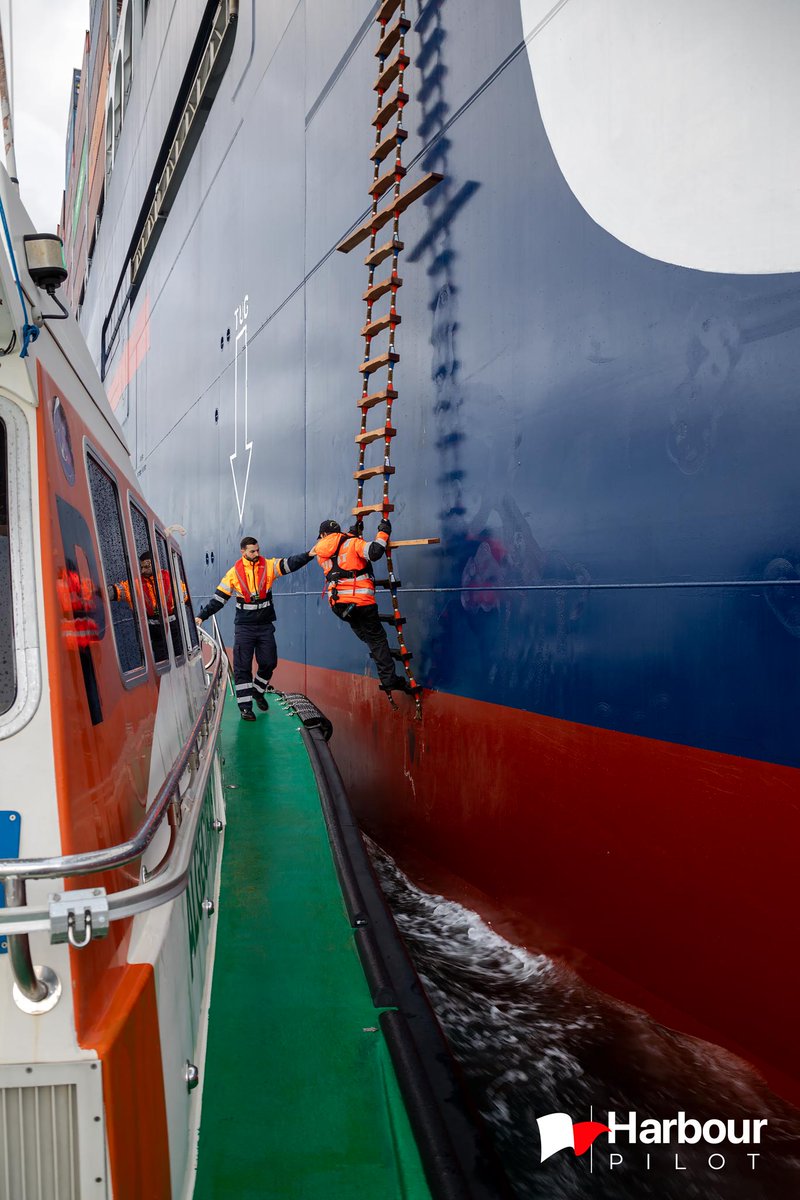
(387, 9)
(379, 324)
(388, 583)
(401, 655)
(388, 144)
(374, 435)
(391, 619)
(383, 252)
(389, 108)
(385, 181)
(415, 542)
(380, 289)
(398, 205)
(365, 509)
(367, 402)
(371, 472)
(418, 189)
(392, 36)
(390, 72)
(382, 360)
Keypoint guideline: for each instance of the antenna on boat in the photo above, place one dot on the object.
(5, 106)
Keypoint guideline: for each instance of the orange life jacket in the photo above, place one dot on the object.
(261, 579)
(150, 592)
(77, 599)
(348, 570)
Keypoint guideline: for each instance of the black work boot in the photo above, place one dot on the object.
(399, 684)
(248, 714)
(261, 701)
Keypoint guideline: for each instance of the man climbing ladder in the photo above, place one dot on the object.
(346, 560)
(379, 391)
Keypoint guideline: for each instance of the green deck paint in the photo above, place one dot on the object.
(300, 1101)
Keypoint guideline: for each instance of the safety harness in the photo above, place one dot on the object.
(336, 572)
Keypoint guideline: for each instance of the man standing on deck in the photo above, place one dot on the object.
(251, 578)
(347, 562)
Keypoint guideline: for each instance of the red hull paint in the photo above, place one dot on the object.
(665, 874)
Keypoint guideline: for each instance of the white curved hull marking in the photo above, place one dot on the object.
(675, 125)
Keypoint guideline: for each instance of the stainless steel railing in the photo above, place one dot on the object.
(18, 919)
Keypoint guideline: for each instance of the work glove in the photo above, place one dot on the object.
(384, 526)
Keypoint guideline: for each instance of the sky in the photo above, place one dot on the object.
(48, 40)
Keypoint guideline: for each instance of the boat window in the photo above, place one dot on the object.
(8, 680)
(116, 568)
(174, 623)
(194, 639)
(149, 581)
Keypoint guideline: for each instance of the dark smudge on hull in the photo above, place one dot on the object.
(533, 1039)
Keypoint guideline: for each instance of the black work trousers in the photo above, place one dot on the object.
(249, 641)
(363, 619)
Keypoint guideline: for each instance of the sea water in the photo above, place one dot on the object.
(533, 1039)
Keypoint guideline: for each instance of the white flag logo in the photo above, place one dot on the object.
(558, 1132)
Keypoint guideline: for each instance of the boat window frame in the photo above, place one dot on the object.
(179, 568)
(159, 531)
(25, 588)
(160, 665)
(138, 675)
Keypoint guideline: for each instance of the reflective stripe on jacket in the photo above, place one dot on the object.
(348, 570)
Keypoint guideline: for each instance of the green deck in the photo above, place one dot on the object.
(299, 1096)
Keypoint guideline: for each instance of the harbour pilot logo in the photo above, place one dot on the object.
(647, 1140)
(558, 1132)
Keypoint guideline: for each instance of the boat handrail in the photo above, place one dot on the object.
(79, 916)
(93, 862)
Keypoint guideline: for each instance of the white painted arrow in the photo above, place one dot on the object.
(248, 446)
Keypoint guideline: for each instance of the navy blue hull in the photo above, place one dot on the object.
(570, 410)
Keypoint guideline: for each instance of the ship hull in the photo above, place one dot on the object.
(602, 433)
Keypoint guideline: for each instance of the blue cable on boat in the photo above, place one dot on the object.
(29, 332)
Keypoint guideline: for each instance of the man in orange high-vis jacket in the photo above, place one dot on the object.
(346, 560)
(122, 590)
(250, 580)
(152, 605)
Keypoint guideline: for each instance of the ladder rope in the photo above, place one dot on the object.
(387, 142)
